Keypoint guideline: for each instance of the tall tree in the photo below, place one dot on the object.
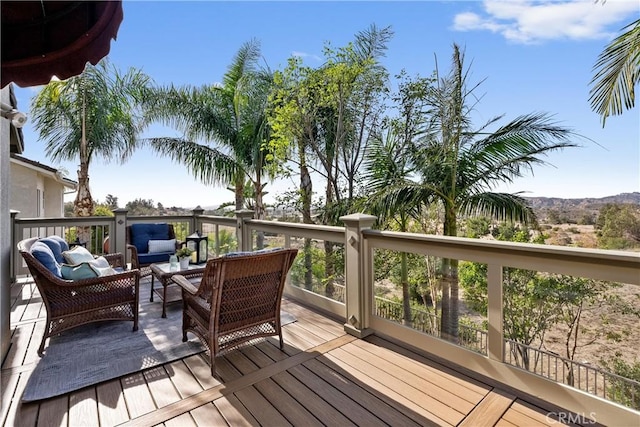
(88, 116)
(617, 73)
(457, 167)
(224, 125)
(327, 113)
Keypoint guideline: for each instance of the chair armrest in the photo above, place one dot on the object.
(187, 286)
(115, 259)
(134, 255)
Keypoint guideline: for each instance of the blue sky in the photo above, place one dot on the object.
(536, 56)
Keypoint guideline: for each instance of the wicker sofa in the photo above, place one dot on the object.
(71, 303)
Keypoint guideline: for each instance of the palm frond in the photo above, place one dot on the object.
(498, 206)
(617, 72)
(207, 164)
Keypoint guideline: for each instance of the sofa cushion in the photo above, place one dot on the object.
(156, 246)
(142, 233)
(43, 253)
(55, 246)
(77, 255)
(63, 243)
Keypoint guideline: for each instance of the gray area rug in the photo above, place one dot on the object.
(100, 352)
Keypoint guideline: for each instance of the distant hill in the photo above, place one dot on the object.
(576, 210)
(556, 202)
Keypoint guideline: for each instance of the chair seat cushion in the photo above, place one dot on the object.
(146, 259)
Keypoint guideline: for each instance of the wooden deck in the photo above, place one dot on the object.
(324, 377)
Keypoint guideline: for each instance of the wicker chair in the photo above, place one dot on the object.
(238, 299)
(137, 238)
(71, 303)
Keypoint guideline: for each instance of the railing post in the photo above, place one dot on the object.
(14, 257)
(196, 222)
(358, 282)
(495, 333)
(243, 234)
(117, 237)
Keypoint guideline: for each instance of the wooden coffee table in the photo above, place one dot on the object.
(164, 274)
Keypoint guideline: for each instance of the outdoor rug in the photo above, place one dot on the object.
(99, 352)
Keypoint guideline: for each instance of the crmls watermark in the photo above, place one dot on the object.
(571, 418)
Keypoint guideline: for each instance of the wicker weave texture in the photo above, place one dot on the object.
(73, 303)
(238, 300)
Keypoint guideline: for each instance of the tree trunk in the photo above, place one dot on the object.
(306, 192)
(259, 213)
(449, 320)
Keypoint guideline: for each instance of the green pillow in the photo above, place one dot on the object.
(78, 271)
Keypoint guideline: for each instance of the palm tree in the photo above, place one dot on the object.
(457, 167)
(617, 72)
(230, 120)
(90, 115)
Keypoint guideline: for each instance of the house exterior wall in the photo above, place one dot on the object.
(34, 194)
(5, 232)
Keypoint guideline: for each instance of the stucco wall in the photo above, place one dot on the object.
(5, 233)
(25, 182)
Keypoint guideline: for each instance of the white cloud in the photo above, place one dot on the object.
(306, 55)
(535, 21)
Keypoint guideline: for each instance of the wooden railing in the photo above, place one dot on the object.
(353, 298)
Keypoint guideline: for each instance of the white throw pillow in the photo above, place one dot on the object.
(77, 255)
(156, 246)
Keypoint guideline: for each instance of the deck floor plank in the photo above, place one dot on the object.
(534, 414)
(365, 396)
(15, 412)
(208, 415)
(112, 408)
(490, 410)
(304, 393)
(182, 378)
(288, 406)
(260, 407)
(383, 390)
(201, 371)
(234, 412)
(54, 412)
(184, 420)
(455, 376)
(343, 403)
(137, 395)
(160, 386)
(443, 391)
(415, 392)
(83, 408)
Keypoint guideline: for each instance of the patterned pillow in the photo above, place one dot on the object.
(156, 246)
(77, 255)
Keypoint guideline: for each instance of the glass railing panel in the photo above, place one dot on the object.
(220, 239)
(574, 330)
(415, 290)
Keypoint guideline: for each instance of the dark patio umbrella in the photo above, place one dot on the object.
(41, 39)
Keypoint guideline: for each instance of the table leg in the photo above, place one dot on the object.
(151, 296)
(164, 298)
